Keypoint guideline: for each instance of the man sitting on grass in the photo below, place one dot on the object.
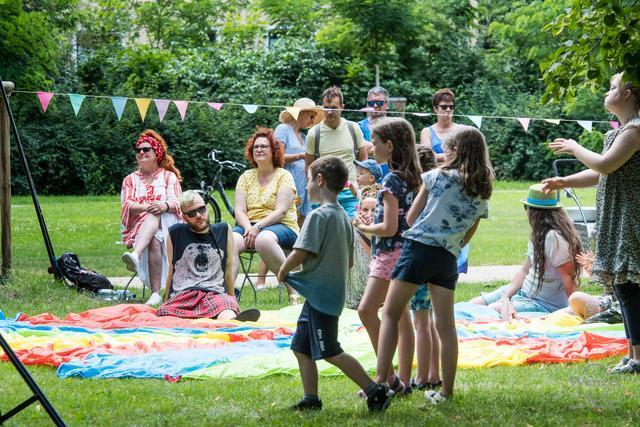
(200, 279)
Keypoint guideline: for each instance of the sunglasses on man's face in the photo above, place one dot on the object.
(202, 210)
(142, 149)
(445, 107)
(378, 103)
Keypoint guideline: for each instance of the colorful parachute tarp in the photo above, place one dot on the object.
(130, 341)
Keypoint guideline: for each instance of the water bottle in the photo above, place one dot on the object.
(115, 295)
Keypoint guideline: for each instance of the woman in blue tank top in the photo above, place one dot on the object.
(433, 136)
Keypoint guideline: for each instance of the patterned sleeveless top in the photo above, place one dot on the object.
(617, 233)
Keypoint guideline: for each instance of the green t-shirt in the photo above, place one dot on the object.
(327, 235)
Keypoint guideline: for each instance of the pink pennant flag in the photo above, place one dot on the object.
(215, 105)
(45, 99)
(614, 124)
(182, 108)
(524, 121)
(161, 106)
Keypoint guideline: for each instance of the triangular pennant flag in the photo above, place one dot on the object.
(588, 125)
(119, 103)
(215, 105)
(251, 108)
(161, 106)
(143, 106)
(477, 120)
(45, 99)
(182, 108)
(524, 121)
(554, 121)
(76, 102)
(294, 111)
(614, 124)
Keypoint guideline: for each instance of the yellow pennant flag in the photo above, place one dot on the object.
(143, 106)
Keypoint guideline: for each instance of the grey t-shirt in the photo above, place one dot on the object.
(327, 234)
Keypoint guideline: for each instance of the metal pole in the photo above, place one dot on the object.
(32, 188)
(5, 183)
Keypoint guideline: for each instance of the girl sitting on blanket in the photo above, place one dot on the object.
(550, 274)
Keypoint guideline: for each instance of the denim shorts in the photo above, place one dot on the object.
(420, 263)
(286, 236)
(421, 299)
(520, 302)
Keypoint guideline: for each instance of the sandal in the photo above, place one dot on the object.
(417, 386)
(397, 386)
(433, 386)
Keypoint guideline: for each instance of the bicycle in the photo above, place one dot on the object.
(207, 191)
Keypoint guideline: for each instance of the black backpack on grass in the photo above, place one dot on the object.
(70, 267)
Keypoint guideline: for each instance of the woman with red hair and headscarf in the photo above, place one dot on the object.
(150, 206)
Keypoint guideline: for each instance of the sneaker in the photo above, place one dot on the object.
(632, 367)
(155, 299)
(417, 386)
(380, 398)
(606, 302)
(131, 260)
(307, 405)
(434, 397)
(611, 315)
(250, 315)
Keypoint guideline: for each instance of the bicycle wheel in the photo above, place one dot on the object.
(215, 215)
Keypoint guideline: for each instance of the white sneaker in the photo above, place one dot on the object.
(131, 261)
(434, 397)
(155, 299)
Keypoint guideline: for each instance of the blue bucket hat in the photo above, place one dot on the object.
(372, 166)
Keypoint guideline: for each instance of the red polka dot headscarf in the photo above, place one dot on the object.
(156, 146)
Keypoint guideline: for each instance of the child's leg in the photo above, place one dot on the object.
(308, 373)
(423, 344)
(399, 294)
(351, 368)
(406, 347)
(442, 300)
(434, 352)
(372, 299)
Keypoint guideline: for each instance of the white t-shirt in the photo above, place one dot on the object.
(552, 293)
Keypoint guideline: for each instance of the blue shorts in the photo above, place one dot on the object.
(316, 334)
(421, 299)
(520, 302)
(286, 236)
(420, 263)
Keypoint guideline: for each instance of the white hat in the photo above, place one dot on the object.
(302, 104)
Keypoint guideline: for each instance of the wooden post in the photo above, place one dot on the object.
(5, 182)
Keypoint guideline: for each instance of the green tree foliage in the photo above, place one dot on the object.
(598, 38)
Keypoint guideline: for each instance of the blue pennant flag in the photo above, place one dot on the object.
(119, 103)
(76, 102)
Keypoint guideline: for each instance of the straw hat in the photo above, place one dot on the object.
(304, 104)
(539, 200)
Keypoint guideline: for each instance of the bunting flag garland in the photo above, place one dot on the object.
(477, 120)
(250, 108)
(588, 125)
(45, 99)
(524, 122)
(119, 102)
(294, 111)
(182, 108)
(143, 106)
(76, 102)
(161, 105)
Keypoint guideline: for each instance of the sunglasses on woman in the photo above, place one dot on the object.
(142, 149)
(445, 107)
(378, 103)
(202, 210)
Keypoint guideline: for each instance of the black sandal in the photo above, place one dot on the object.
(433, 386)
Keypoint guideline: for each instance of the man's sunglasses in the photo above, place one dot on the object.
(202, 210)
(445, 107)
(142, 149)
(378, 103)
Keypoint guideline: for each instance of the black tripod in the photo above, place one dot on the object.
(38, 395)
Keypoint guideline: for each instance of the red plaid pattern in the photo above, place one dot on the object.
(196, 304)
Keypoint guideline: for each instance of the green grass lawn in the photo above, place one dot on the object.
(574, 394)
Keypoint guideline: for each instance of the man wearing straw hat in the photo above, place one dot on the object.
(335, 136)
(303, 115)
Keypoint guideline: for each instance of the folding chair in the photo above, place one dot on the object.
(246, 261)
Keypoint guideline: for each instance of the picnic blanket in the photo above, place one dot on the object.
(129, 340)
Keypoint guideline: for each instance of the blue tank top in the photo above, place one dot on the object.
(436, 142)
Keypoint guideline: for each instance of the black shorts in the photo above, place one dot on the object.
(420, 263)
(316, 334)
